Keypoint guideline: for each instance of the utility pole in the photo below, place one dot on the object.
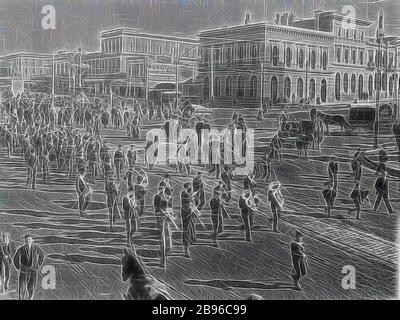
(378, 83)
(177, 76)
(53, 76)
(262, 87)
(265, 10)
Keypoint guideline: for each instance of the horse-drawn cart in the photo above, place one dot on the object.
(302, 133)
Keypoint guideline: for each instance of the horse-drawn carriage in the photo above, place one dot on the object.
(363, 116)
(302, 133)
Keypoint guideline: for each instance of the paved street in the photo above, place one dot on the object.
(87, 256)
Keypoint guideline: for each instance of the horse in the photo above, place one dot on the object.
(303, 142)
(329, 119)
(172, 129)
(142, 286)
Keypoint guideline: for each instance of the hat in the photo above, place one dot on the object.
(274, 186)
(187, 185)
(166, 176)
(28, 235)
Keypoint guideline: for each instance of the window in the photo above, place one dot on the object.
(287, 88)
(353, 83)
(391, 85)
(346, 83)
(206, 89)
(370, 85)
(324, 60)
(337, 87)
(300, 88)
(313, 59)
(240, 87)
(354, 56)
(255, 54)
(301, 58)
(346, 56)
(384, 82)
(253, 87)
(228, 86)
(275, 56)
(288, 57)
(217, 86)
(361, 58)
(312, 89)
(274, 89)
(229, 55)
(360, 87)
(323, 90)
(338, 54)
(241, 54)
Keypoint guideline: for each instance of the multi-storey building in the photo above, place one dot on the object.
(20, 68)
(322, 58)
(133, 63)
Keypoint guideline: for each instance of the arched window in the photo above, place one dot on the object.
(228, 86)
(288, 57)
(300, 88)
(312, 88)
(313, 59)
(346, 83)
(323, 90)
(254, 54)
(206, 89)
(301, 58)
(353, 83)
(287, 88)
(240, 87)
(360, 87)
(253, 87)
(275, 56)
(378, 82)
(384, 82)
(274, 89)
(217, 86)
(337, 87)
(370, 85)
(391, 82)
(324, 61)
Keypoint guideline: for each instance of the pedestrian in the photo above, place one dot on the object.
(248, 205)
(132, 156)
(329, 194)
(382, 192)
(28, 260)
(299, 259)
(32, 164)
(358, 196)
(276, 201)
(396, 133)
(198, 189)
(6, 254)
(218, 212)
(129, 206)
(356, 166)
(140, 193)
(83, 190)
(112, 201)
(119, 159)
(188, 214)
(333, 171)
(164, 218)
(250, 184)
(226, 174)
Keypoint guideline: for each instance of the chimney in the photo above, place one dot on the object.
(284, 19)
(317, 14)
(247, 20)
(277, 18)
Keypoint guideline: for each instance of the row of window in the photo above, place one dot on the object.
(350, 33)
(250, 88)
(377, 83)
(104, 66)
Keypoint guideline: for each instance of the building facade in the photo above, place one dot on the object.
(320, 58)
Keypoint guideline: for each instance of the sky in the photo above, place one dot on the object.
(79, 22)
